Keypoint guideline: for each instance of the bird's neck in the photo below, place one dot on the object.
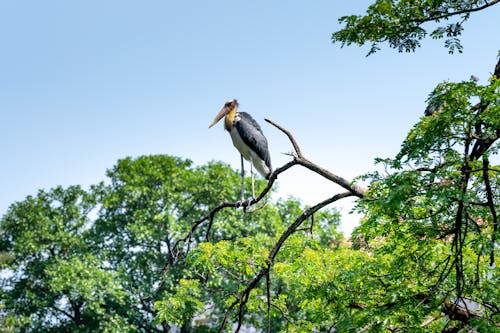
(228, 122)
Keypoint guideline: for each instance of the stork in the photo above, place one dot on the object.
(248, 138)
(432, 107)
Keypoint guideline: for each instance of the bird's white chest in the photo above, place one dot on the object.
(239, 144)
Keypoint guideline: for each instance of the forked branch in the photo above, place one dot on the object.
(301, 160)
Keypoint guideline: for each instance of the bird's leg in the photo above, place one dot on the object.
(242, 179)
(253, 180)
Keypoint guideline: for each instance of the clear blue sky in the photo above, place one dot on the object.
(85, 83)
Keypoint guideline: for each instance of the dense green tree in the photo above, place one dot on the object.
(163, 240)
(434, 211)
(51, 280)
(424, 259)
(97, 260)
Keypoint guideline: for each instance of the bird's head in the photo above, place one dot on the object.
(230, 106)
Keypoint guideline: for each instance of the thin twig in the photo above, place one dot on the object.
(290, 137)
(300, 159)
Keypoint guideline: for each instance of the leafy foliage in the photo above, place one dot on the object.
(403, 24)
(98, 260)
(53, 282)
(223, 267)
(434, 209)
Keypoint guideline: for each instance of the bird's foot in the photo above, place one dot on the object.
(251, 205)
(241, 203)
(244, 203)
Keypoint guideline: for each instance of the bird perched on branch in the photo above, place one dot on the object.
(432, 107)
(248, 138)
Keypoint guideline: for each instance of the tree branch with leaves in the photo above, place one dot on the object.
(401, 24)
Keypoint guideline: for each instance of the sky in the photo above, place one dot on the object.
(85, 83)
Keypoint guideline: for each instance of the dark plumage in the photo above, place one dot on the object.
(252, 135)
(248, 138)
(431, 109)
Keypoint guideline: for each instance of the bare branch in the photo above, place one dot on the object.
(482, 145)
(354, 189)
(300, 159)
(291, 229)
(458, 312)
(289, 135)
(365, 328)
(429, 320)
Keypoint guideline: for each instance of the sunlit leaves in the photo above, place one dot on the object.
(182, 304)
(224, 267)
(75, 259)
(402, 24)
(53, 280)
(431, 212)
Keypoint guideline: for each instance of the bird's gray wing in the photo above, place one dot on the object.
(251, 133)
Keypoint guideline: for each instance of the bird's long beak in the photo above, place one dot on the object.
(219, 116)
